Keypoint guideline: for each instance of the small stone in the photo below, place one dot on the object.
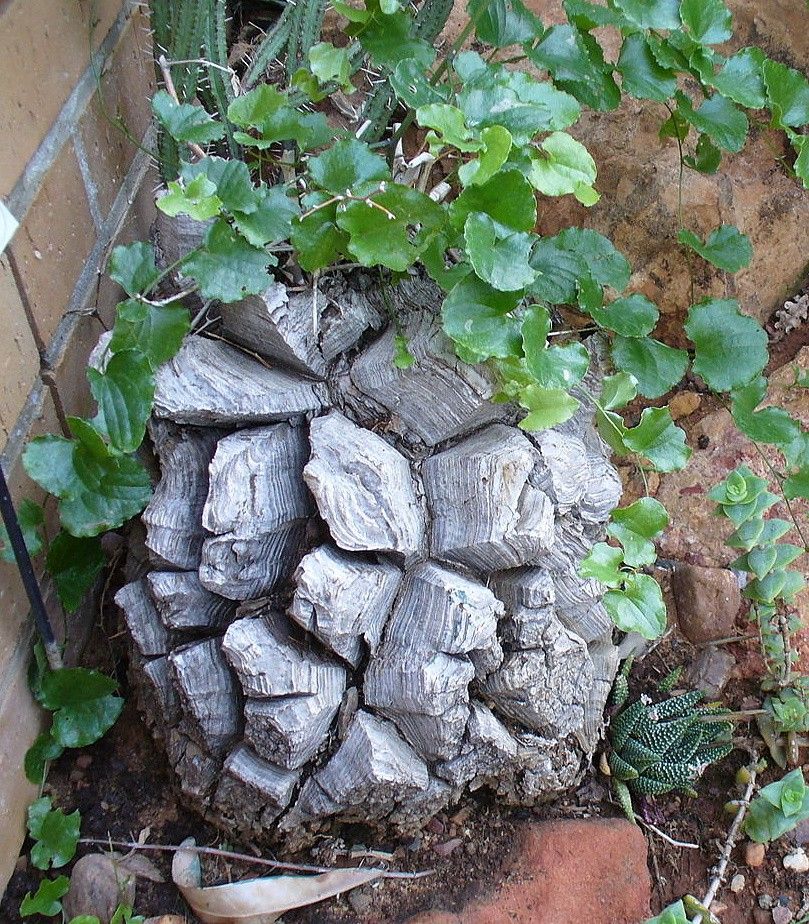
(360, 900)
(462, 815)
(435, 826)
(97, 886)
(797, 861)
(711, 670)
(683, 404)
(737, 884)
(83, 761)
(781, 915)
(718, 908)
(754, 857)
(707, 601)
(765, 901)
(800, 834)
(447, 847)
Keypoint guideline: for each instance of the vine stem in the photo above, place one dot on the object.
(680, 197)
(347, 196)
(779, 481)
(246, 858)
(163, 64)
(730, 843)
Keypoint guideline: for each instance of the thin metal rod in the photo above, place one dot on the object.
(27, 574)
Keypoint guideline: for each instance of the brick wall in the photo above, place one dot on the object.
(76, 184)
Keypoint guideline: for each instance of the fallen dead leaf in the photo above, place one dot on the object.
(257, 901)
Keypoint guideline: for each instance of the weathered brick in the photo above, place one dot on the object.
(119, 111)
(53, 243)
(19, 361)
(45, 45)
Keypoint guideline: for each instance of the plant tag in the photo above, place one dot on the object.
(8, 226)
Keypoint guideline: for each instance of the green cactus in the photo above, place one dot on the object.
(661, 746)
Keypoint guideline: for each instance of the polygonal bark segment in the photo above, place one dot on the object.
(208, 693)
(142, 619)
(168, 702)
(443, 632)
(487, 512)
(438, 397)
(289, 731)
(566, 465)
(544, 688)
(426, 696)
(277, 326)
(304, 330)
(210, 383)
(256, 481)
(489, 751)
(173, 517)
(253, 792)
(269, 662)
(183, 603)
(364, 488)
(441, 610)
(604, 489)
(295, 693)
(257, 508)
(371, 773)
(240, 568)
(343, 600)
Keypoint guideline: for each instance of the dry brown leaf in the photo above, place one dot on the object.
(257, 901)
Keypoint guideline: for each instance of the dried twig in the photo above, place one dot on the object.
(730, 843)
(245, 858)
(662, 834)
(315, 311)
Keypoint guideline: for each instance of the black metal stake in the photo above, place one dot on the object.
(28, 576)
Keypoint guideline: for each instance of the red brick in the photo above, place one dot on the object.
(565, 872)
